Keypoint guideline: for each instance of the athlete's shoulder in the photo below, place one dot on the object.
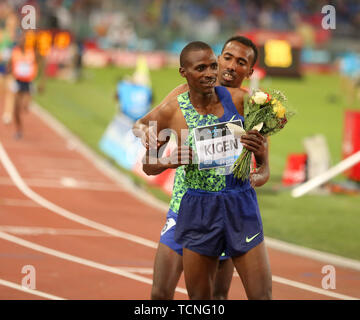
(237, 94)
(237, 91)
(181, 88)
(169, 107)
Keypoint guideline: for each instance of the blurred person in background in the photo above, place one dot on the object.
(8, 24)
(349, 68)
(236, 62)
(24, 66)
(134, 94)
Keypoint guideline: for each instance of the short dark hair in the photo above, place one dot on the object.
(245, 41)
(192, 46)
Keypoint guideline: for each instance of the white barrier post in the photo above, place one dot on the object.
(332, 172)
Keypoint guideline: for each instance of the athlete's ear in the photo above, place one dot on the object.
(250, 73)
(182, 71)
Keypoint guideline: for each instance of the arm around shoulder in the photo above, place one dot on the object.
(143, 124)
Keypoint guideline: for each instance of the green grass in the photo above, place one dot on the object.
(329, 223)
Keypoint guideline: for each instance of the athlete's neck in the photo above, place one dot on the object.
(203, 100)
(227, 86)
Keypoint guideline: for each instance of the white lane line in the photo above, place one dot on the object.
(300, 285)
(312, 254)
(291, 283)
(137, 270)
(82, 261)
(99, 162)
(65, 213)
(65, 183)
(30, 291)
(17, 202)
(36, 231)
(19, 182)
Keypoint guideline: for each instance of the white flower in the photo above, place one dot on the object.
(258, 127)
(260, 97)
(235, 130)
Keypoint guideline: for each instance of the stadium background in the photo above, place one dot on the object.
(111, 35)
(160, 29)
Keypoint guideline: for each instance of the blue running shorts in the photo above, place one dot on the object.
(2, 68)
(228, 221)
(168, 232)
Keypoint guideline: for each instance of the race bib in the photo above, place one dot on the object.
(216, 146)
(23, 69)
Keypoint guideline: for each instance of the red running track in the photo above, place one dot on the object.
(75, 225)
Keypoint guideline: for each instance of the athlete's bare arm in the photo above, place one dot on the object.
(169, 119)
(143, 128)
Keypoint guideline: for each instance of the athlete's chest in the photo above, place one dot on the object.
(216, 110)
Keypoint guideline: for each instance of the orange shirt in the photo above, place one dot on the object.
(24, 67)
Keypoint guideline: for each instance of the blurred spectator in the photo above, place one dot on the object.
(8, 25)
(134, 94)
(24, 69)
(147, 25)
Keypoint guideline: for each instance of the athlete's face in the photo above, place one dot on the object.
(235, 64)
(200, 70)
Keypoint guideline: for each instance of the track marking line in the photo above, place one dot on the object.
(312, 254)
(28, 290)
(18, 203)
(36, 231)
(22, 186)
(98, 161)
(291, 283)
(82, 261)
(308, 287)
(65, 183)
(149, 271)
(18, 181)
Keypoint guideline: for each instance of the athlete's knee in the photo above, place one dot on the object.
(200, 295)
(266, 294)
(199, 292)
(262, 293)
(158, 293)
(221, 291)
(220, 295)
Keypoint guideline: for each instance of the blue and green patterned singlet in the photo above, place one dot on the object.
(190, 176)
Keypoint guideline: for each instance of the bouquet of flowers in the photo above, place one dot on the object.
(265, 112)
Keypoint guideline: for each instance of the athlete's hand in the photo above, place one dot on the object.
(254, 142)
(255, 178)
(149, 138)
(180, 156)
